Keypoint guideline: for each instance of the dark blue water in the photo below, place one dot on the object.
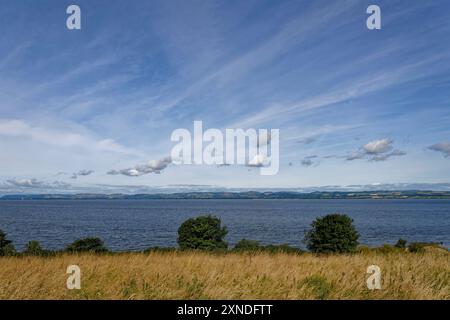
(138, 224)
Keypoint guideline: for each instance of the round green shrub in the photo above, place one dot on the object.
(94, 245)
(333, 233)
(247, 245)
(203, 233)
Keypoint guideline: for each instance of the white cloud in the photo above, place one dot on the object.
(382, 157)
(307, 162)
(83, 172)
(355, 155)
(153, 166)
(35, 184)
(257, 161)
(443, 147)
(378, 146)
(25, 183)
(376, 150)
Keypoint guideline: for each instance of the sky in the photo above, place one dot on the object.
(82, 109)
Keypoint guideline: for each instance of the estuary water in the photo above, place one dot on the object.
(139, 224)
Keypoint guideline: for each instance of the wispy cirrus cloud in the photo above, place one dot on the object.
(23, 129)
(307, 140)
(342, 93)
(310, 69)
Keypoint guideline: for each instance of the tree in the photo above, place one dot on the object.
(6, 246)
(332, 233)
(203, 232)
(94, 245)
(33, 248)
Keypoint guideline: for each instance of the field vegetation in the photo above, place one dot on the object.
(231, 275)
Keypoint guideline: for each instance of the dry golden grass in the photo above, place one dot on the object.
(190, 275)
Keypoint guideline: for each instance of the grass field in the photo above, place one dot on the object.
(196, 275)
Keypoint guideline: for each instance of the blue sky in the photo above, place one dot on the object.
(354, 106)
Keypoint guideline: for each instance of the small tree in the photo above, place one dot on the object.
(332, 233)
(204, 233)
(6, 246)
(94, 245)
(33, 248)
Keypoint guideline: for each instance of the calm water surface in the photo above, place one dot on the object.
(138, 224)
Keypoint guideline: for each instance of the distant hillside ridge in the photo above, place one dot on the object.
(412, 194)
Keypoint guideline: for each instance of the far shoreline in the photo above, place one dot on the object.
(247, 195)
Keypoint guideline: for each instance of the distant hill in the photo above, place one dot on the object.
(240, 195)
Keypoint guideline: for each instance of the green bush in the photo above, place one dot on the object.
(252, 245)
(418, 247)
(6, 246)
(401, 243)
(203, 233)
(247, 245)
(363, 249)
(33, 248)
(94, 245)
(332, 233)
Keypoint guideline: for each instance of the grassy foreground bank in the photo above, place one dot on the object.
(201, 275)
